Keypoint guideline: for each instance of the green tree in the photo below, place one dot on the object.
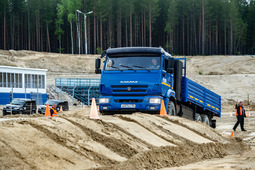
(171, 23)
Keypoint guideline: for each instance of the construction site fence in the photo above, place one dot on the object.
(81, 90)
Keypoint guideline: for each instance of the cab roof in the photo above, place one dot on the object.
(130, 50)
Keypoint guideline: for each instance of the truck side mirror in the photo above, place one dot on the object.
(103, 54)
(170, 70)
(97, 66)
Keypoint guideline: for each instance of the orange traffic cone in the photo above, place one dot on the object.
(163, 109)
(93, 110)
(61, 109)
(83, 107)
(232, 134)
(47, 110)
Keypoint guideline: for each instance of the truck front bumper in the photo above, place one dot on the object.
(130, 104)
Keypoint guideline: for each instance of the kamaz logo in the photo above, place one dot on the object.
(128, 81)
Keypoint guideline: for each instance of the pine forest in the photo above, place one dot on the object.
(181, 27)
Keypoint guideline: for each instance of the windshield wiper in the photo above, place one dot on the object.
(127, 67)
(141, 67)
(117, 68)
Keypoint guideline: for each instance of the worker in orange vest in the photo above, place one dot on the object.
(53, 111)
(240, 114)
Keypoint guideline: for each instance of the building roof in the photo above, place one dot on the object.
(22, 68)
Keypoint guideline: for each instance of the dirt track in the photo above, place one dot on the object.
(232, 77)
(138, 141)
(245, 160)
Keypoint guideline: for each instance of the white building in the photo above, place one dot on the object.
(17, 82)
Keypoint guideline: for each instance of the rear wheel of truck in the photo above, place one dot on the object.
(171, 109)
(205, 119)
(198, 117)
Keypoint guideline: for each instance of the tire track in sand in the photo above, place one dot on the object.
(195, 131)
(98, 158)
(115, 145)
(18, 155)
(177, 140)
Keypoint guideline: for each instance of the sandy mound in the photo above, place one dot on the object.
(138, 141)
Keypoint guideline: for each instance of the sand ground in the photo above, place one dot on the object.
(137, 141)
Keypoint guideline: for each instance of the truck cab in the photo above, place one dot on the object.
(139, 79)
(136, 79)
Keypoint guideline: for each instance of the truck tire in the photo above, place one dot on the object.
(205, 119)
(171, 109)
(198, 117)
(107, 113)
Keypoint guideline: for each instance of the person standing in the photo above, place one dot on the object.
(240, 114)
(53, 111)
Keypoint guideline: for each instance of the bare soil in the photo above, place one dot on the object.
(137, 141)
(232, 77)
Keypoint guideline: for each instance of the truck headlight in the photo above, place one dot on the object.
(104, 100)
(155, 100)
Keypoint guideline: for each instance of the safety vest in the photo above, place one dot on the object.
(240, 111)
(55, 113)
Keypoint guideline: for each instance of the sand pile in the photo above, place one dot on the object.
(140, 141)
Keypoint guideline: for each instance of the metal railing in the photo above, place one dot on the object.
(82, 90)
(76, 82)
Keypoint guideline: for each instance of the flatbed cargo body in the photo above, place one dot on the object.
(200, 96)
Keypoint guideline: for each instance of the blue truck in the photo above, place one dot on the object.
(137, 79)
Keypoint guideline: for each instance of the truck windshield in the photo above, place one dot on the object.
(132, 63)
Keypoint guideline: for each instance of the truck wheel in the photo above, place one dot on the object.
(107, 113)
(198, 117)
(205, 119)
(171, 109)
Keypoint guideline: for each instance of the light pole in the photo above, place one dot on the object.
(85, 27)
(78, 30)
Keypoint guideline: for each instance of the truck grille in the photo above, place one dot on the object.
(129, 88)
(128, 101)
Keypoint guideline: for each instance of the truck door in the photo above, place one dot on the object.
(166, 76)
